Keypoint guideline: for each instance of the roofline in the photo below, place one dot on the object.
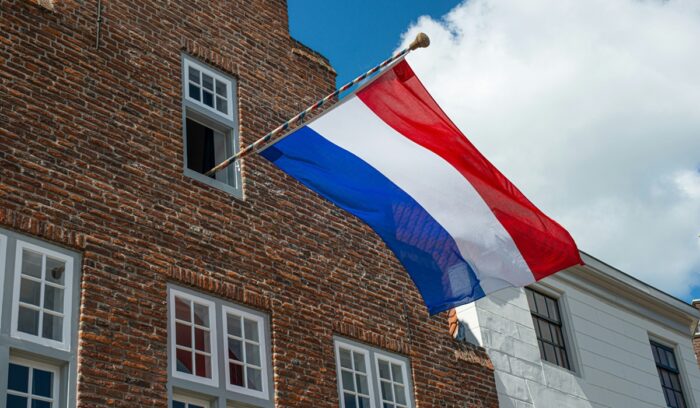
(638, 289)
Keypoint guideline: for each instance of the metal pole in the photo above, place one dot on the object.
(421, 41)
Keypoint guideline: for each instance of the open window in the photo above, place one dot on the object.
(210, 125)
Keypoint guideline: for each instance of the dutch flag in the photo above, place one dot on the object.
(390, 156)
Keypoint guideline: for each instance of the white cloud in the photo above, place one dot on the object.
(592, 108)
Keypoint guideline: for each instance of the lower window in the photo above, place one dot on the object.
(369, 377)
(669, 374)
(31, 384)
(180, 401)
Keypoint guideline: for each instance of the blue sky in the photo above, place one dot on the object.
(356, 35)
(600, 95)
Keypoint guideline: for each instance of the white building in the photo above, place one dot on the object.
(619, 337)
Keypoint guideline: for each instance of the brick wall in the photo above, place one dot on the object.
(696, 337)
(91, 158)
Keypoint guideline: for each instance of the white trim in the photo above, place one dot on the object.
(264, 394)
(214, 380)
(190, 62)
(67, 296)
(191, 400)
(3, 261)
(55, 390)
(370, 379)
(404, 371)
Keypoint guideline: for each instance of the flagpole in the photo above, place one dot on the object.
(421, 41)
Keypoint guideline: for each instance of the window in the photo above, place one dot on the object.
(181, 401)
(194, 331)
(39, 323)
(392, 381)
(31, 384)
(209, 125)
(669, 374)
(41, 300)
(246, 358)
(203, 328)
(548, 327)
(361, 384)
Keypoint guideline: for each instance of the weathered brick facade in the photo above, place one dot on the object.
(91, 158)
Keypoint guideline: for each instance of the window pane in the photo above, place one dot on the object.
(252, 354)
(345, 359)
(544, 330)
(387, 392)
(349, 401)
(184, 361)
(530, 299)
(384, 370)
(359, 362)
(202, 340)
(553, 309)
(363, 402)
(195, 92)
(183, 335)
(235, 349)
(30, 292)
(397, 373)
(207, 82)
(221, 88)
(202, 365)
(236, 374)
(182, 309)
(42, 382)
(348, 383)
(671, 360)
(201, 315)
(400, 393)
(207, 98)
(40, 404)
(193, 75)
(251, 329)
(55, 270)
(31, 263)
(361, 381)
(221, 105)
(53, 298)
(53, 327)
(254, 377)
(178, 404)
(549, 353)
(541, 304)
(14, 401)
(18, 378)
(28, 321)
(234, 325)
(200, 147)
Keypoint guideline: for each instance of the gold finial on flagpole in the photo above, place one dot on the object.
(421, 41)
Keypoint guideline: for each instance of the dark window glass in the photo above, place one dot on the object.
(42, 383)
(669, 375)
(200, 147)
(18, 379)
(548, 327)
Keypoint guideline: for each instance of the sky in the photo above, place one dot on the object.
(592, 108)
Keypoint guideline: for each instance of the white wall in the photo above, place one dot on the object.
(609, 347)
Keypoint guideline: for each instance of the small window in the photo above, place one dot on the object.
(353, 364)
(181, 401)
(246, 366)
(31, 384)
(42, 296)
(361, 384)
(669, 374)
(193, 334)
(546, 318)
(209, 125)
(392, 382)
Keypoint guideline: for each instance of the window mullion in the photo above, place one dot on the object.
(40, 332)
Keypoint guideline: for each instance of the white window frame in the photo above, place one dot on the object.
(190, 62)
(214, 380)
(404, 371)
(41, 366)
(264, 394)
(191, 400)
(3, 261)
(370, 378)
(67, 296)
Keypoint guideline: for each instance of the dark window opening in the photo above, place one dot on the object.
(206, 148)
(548, 327)
(669, 375)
